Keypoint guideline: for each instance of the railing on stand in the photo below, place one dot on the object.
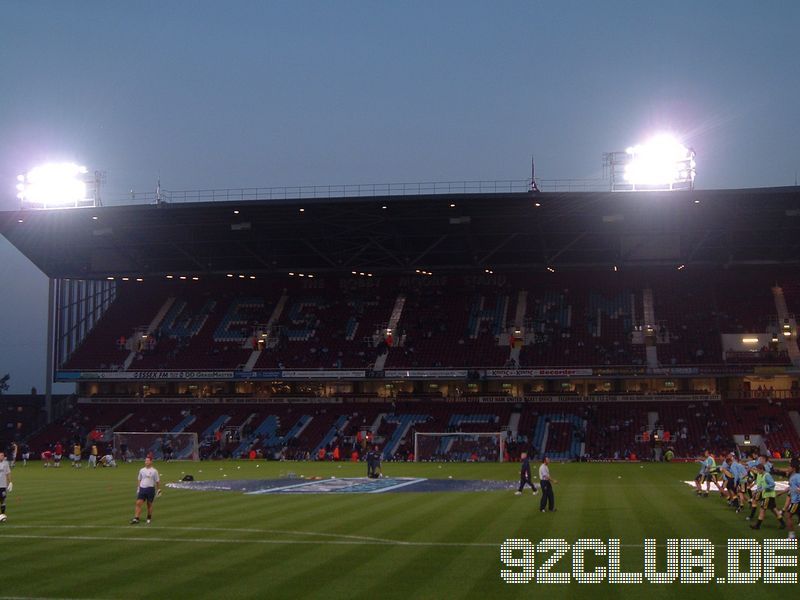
(298, 192)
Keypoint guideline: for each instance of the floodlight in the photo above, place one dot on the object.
(662, 160)
(661, 163)
(54, 185)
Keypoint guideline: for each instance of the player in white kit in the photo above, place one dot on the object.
(5, 484)
(149, 486)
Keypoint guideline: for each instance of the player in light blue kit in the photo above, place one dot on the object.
(728, 479)
(706, 475)
(740, 482)
(751, 474)
(793, 501)
(766, 485)
(734, 473)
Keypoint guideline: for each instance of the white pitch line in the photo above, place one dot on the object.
(93, 538)
(350, 541)
(42, 598)
(217, 529)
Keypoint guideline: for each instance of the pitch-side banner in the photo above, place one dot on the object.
(144, 375)
(424, 374)
(207, 375)
(261, 374)
(512, 373)
(308, 374)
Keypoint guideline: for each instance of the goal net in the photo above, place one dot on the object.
(475, 446)
(161, 445)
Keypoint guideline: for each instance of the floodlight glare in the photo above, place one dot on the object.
(53, 184)
(661, 162)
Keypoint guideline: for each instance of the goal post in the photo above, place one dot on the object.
(161, 445)
(481, 446)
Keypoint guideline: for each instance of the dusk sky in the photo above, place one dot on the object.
(242, 94)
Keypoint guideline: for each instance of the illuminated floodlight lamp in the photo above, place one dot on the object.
(54, 185)
(661, 163)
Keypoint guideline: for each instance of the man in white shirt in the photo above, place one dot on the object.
(149, 486)
(547, 486)
(5, 483)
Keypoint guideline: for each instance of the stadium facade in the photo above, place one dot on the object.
(518, 298)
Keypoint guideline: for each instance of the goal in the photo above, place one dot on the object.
(474, 446)
(162, 445)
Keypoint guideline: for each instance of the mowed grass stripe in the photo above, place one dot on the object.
(73, 560)
(117, 574)
(373, 515)
(468, 521)
(357, 514)
(419, 516)
(409, 511)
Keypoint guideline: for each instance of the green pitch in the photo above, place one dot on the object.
(68, 536)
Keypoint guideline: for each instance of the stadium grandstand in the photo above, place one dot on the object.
(592, 325)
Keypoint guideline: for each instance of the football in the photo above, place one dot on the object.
(3, 518)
